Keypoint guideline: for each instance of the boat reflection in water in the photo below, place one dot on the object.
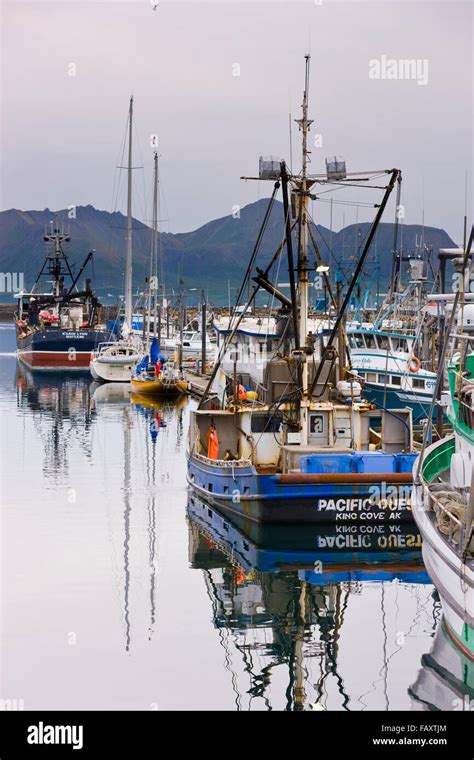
(446, 678)
(118, 397)
(122, 488)
(283, 593)
(60, 406)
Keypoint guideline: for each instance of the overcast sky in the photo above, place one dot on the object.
(62, 134)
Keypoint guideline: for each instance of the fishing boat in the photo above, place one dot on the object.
(57, 330)
(190, 345)
(394, 357)
(115, 362)
(443, 494)
(156, 376)
(282, 434)
(391, 372)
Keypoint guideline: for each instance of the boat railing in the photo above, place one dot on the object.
(455, 529)
(226, 463)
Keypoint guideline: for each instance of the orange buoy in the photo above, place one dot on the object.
(414, 364)
(241, 393)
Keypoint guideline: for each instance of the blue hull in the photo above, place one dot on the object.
(263, 498)
(398, 399)
(343, 554)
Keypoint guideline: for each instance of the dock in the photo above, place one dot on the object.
(197, 383)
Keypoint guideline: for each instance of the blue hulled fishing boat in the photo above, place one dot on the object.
(282, 434)
(57, 330)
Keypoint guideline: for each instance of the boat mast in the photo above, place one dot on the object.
(128, 263)
(153, 258)
(303, 186)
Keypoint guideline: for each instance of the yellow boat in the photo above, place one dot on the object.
(155, 386)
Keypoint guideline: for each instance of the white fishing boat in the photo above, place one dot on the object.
(443, 494)
(392, 373)
(191, 346)
(115, 362)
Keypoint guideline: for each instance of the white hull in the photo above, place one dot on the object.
(446, 679)
(109, 373)
(453, 577)
(114, 364)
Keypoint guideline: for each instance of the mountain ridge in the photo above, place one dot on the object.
(209, 257)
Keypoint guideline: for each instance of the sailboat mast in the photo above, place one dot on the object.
(153, 278)
(154, 247)
(128, 263)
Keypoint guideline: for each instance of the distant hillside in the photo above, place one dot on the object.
(208, 257)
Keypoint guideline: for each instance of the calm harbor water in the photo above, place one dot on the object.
(120, 593)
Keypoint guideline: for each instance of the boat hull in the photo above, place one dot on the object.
(452, 576)
(158, 389)
(108, 372)
(398, 399)
(263, 498)
(59, 349)
(344, 554)
(446, 678)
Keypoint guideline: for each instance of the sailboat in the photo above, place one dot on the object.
(155, 375)
(443, 494)
(288, 440)
(115, 361)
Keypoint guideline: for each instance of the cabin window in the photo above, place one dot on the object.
(359, 340)
(266, 423)
(371, 377)
(399, 344)
(383, 379)
(370, 340)
(396, 380)
(417, 383)
(384, 343)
